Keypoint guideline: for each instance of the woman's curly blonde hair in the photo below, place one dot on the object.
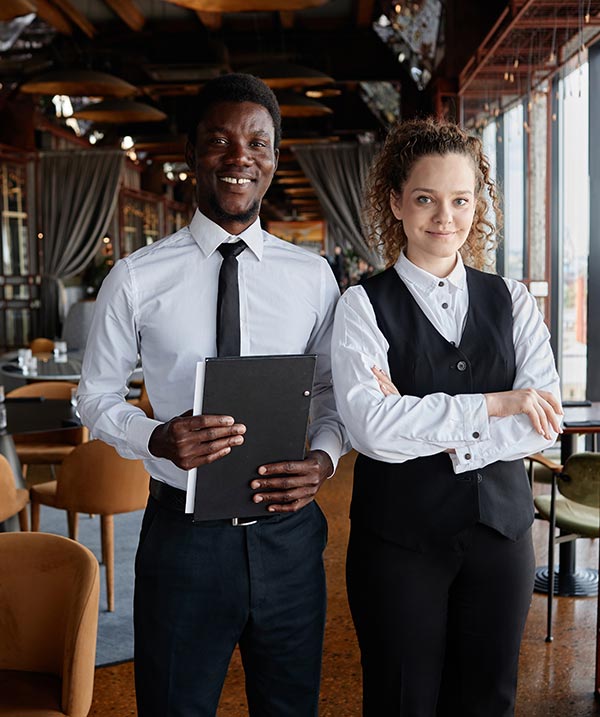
(406, 143)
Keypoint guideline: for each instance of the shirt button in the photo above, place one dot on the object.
(468, 456)
(461, 365)
(476, 434)
(444, 305)
(441, 283)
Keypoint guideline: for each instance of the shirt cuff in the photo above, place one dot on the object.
(330, 444)
(139, 430)
(477, 420)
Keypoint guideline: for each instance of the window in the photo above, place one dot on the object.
(514, 193)
(573, 227)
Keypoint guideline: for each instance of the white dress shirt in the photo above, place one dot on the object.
(160, 303)
(399, 428)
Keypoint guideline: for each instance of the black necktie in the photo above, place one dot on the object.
(228, 301)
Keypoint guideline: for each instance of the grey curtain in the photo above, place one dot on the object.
(338, 173)
(79, 191)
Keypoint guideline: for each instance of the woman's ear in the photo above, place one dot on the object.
(396, 204)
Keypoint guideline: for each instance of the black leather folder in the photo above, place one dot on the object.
(271, 396)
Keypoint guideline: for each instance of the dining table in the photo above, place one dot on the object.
(27, 416)
(50, 367)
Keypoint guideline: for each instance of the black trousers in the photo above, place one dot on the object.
(203, 587)
(440, 631)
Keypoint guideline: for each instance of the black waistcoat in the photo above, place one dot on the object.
(422, 503)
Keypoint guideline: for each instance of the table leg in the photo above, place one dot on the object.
(8, 450)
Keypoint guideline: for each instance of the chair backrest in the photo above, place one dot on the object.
(580, 479)
(49, 612)
(41, 346)
(94, 478)
(12, 499)
(77, 324)
(47, 389)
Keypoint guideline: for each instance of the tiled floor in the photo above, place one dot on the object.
(556, 680)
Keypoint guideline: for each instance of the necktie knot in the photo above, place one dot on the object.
(232, 249)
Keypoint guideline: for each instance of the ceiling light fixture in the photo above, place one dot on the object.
(117, 111)
(247, 5)
(293, 105)
(78, 83)
(286, 75)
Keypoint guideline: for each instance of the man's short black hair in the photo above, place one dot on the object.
(235, 87)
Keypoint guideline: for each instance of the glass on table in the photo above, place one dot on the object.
(31, 366)
(22, 357)
(60, 348)
(74, 397)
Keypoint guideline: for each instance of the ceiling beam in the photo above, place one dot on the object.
(76, 17)
(560, 22)
(485, 53)
(53, 17)
(129, 12)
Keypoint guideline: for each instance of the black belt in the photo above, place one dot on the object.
(174, 499)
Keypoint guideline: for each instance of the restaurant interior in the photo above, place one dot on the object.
(94, 101)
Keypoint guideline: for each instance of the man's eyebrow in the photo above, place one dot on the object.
(225, 130)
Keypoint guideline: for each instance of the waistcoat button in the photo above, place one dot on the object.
(461, 365)
(468, 456)
(476, 434)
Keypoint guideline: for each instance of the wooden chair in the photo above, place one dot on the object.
(573, 506)
(13, 500)
(49, 613)
(41, 345)
(51, 447)
(94, 479)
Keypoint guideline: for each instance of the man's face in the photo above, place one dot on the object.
(234, 161)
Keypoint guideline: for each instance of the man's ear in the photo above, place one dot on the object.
(396, 204)
(190, 155)
(276, 153)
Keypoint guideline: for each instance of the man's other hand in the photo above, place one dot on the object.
(290, 485)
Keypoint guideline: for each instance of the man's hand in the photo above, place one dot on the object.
(295, 484)
(189, 441)
(541, 407)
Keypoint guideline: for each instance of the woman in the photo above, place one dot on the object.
(445, 380)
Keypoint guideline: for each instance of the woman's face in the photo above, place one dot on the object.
(436, 206)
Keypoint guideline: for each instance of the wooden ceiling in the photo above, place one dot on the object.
(167, 52)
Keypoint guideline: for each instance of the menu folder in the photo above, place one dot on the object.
(271, 396)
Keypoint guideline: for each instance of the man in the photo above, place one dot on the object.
(203, 587)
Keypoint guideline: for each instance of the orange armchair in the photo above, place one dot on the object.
(51, 447)
(94, 479)
(13, 500)
(48, 624)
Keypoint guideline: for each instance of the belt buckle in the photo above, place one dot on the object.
(236, 522)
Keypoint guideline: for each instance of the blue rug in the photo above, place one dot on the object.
(115, 629)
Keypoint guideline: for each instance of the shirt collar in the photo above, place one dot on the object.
(209, 235)
(426, 282)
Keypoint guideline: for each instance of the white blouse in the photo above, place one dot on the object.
(399, 428)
